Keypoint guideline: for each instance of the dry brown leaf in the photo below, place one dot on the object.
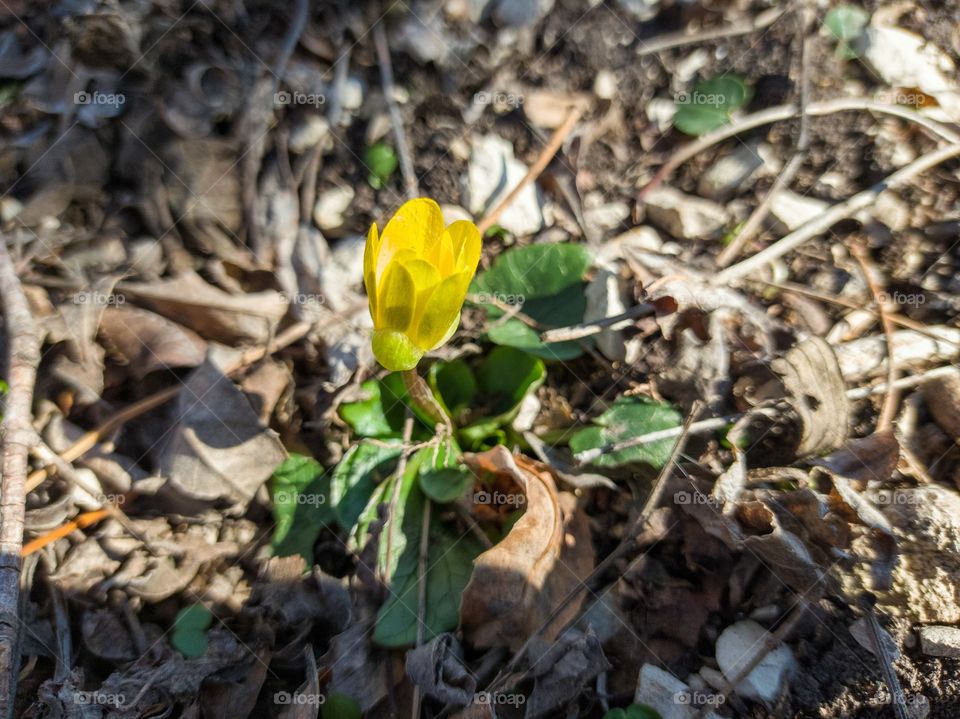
(211, 312)
(218, 448)
(143, 341)
(516, 584)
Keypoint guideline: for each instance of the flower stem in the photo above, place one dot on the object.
(422, 397)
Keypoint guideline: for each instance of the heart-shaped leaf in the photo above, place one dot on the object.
(710, 104)
(629, 417)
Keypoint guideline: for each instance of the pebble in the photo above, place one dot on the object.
(492, 173)
(329, 211)
(940, 641)
(737, 644)
(684, 216)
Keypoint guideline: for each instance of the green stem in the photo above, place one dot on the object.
(422, 396)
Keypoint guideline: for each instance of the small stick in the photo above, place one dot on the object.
(556, 140)
(886, 661)
(421, 593)
(750, 227)
(786, 112)
(23, 345)
(889, 410)
(834, 214)
(636, 527)
(586, 329)
(678, 39)
(400, 136)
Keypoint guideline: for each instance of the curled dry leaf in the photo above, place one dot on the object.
(143, 341)
(517, 583)
(437, 667)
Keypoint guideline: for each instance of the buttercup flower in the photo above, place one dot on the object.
(417, 274)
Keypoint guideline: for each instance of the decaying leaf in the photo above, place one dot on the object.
(142, 341)
(211, 312)
(438, 669)
(520, 580)
(563, 670)
(217, 448)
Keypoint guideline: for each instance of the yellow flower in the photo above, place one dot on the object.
(417, 274)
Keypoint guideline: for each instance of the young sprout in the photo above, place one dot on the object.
(417, 274)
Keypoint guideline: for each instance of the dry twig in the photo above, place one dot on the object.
(23, 352)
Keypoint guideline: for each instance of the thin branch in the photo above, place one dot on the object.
(396, 120)
(551, 149)
(834, 214)
(586, 329)
(23, 347)
(889, 410)
(753, 223)
(787, 112)
(421, 592)
(679, 39)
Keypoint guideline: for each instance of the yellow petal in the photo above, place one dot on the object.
(466, 245)
(416, 225)
(395, 299)
(370, 250)
(442, 308)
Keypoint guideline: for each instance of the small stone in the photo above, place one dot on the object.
(642, 10)
(669, 696)
(331, 206)
(605, 85)
(519, 13)
(313, 131)
(604, 299)
(736, 646)
(940, 641)
(731, 172)
(660, 112)
(794, 210)
(685, 216)
(352, 96)
(492, 173)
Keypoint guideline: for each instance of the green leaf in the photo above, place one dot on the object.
(340, 706)
(196, 616)
(453, 384)
(846, 22)
(189, 643)
(449, 566)
(534, 271)
(629, 417)
(190, 630)
(446, 485)
(381, 415)
(505, 377)
(710, 104)
(300, 492)
(363, 467)
(547, 280)
(382, 162)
